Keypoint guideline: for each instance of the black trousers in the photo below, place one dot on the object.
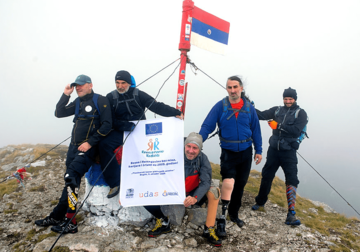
(236, 165)
(106, 151)
(275, 158)
(77, 164)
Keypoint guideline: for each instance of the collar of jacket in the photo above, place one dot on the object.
(195, 160)
(294, 106)
(129, 92)
(87, 97)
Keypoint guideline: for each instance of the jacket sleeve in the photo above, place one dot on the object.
(266, 114)
(296, 128)
(256, 131)
(210, 121)
(62, 110)
(105, 121)
(157, 107)
(205, 174)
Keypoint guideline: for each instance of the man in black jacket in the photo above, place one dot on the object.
(92, 122)
(127, 104)
(287, 122)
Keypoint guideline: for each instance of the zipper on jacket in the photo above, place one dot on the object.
(280, 130)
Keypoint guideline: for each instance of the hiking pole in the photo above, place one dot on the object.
(28, 165)
(92, 187)
(46, 152)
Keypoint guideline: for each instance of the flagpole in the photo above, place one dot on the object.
(184, 47)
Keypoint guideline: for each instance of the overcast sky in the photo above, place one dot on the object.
(312, 46)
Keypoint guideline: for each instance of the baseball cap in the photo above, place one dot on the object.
(81, 80)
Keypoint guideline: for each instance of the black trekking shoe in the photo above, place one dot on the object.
(291, 219)
(239, 222)
(220, 228)
(161, 227)
(212, 238)
(113, 192)
(48, 221)
(71, 228)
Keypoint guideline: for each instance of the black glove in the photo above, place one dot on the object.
(70, 181)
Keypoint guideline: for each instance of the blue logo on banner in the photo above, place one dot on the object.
(153, 128)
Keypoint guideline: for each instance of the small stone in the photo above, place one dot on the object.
(190, 242)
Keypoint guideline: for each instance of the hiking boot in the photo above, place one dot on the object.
(113, 192)
(291, 219)
(220, 228)
(212, 238)
(239, 222)
(48, 221)
(71, 228)
(161, 227)
(257, 207)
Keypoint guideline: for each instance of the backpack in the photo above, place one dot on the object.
(115, 95)
(226, 107)
(77, 108)
(303, 133)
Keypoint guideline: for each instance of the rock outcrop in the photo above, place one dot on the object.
(102, 229)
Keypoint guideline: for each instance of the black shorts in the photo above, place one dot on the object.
(231, 162)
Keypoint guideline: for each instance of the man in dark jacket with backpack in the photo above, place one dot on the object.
(92, 122)
(127, 104)
(288, 124)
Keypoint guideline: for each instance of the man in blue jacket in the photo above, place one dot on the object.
(238, 129)
(287, 122)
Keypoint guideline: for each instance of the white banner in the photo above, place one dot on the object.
(152, 167)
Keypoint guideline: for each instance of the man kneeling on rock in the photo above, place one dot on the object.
(198, 183)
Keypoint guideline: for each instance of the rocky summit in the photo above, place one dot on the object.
(107, 228)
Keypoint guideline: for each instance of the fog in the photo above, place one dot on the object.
(311, 46)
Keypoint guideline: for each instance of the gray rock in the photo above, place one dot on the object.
(148, 244)
(105, 233)
(159, 249)
(137, 216)
(175, 213)
(197, 216)
(324, 206)
(190, 242)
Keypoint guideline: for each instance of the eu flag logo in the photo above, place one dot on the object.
(153, 128)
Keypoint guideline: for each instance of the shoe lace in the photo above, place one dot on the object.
(157, 225)
(212, 233)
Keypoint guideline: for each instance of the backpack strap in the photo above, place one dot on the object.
(77, 108)
(115, 95)
(95, 101)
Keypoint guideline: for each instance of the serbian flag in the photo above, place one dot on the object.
(209, 32)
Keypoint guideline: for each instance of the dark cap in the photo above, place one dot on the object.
(290, 93)
(81, 80)
(123, 75)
